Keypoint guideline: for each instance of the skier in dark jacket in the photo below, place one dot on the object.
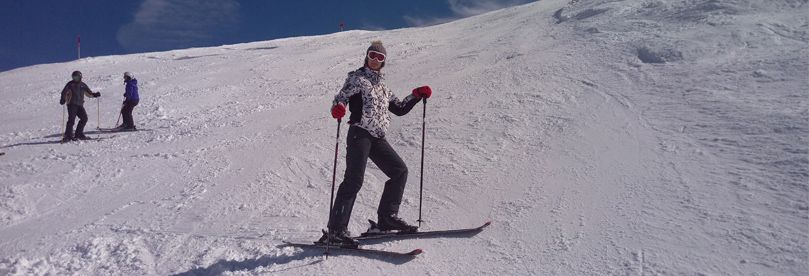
(73, 94)
(131, 99)
(370, 100)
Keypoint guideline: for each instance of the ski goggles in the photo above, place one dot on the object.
(376, 56)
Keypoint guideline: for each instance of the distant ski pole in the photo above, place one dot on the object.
(63, 122)
(98, 113)
(119, 117)
(333, 181)
(421, 185)
(64, 125)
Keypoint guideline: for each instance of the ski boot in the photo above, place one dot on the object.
(392, 223)
(80, 137)
(125, 128)
(338, 238)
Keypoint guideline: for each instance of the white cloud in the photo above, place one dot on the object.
(171, 24)
(464, 8)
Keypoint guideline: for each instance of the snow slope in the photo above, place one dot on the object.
(637, 137)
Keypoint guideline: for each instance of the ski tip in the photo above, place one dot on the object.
(415, 252)
(487, 224)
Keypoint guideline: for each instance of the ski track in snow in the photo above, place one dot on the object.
(601, 138)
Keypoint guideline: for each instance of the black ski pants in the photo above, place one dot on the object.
(126, 112)
(74, 110)
(359, 147)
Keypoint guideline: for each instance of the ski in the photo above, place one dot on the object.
(372, 236)
(89, 139)
(411, 254)
(119, 130)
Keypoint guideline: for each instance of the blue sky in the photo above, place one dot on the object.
(39, 31)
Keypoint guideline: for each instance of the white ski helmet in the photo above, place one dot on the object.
(129, 75)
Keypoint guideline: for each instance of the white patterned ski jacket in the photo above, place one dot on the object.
(369, 101)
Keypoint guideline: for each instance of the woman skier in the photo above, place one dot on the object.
(369, 101)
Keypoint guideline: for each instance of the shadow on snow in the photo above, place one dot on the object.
(223, 266)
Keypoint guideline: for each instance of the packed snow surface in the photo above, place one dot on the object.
(637, 137)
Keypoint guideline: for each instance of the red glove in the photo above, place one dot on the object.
(338, 111)
(422, 92)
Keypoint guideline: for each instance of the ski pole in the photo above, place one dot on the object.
(68, 97)
(333, 180)
(63, 122)
(119, 117)
(421, 185)
(98, 114)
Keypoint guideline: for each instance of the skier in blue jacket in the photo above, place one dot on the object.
(131, 99)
